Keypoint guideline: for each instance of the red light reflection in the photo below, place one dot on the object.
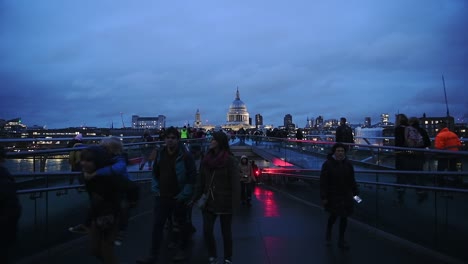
(281, 163)
(269, 204)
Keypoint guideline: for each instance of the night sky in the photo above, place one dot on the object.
(74, 63)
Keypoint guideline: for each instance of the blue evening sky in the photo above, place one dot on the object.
(73, 63)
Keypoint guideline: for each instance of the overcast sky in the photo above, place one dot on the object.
(73, 63)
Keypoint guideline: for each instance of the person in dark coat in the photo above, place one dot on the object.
(337, 189)
(10, 210)
(106, 197)
(344, 133)
(219, 179)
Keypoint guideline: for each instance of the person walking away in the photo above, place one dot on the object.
(174, 175)
(247, 177)
(344, 133)
(105, 195)
(219, 179)
(74, 158)
(10, 210)
(447, 140)
(184, 133)
(337, 189)
(417, 137)
(146, 150)
(256, 171)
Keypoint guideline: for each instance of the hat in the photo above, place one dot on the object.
(79, 137)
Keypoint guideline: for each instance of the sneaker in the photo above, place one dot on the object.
(119, 239)
(227, 261)
(79, 229)
(212, 260)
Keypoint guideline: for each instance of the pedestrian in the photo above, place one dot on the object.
(10, 210)
(344, 133)
(247, 178)
(337, 189)
(146, 150)
(174, 175)
(219, 179)
(74, 158)
(105, 195)
(447, 140)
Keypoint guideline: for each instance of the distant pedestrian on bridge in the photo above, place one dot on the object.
(447, 140)
(10, 210)
(74, 157)
(344, 133)
(146, 150)
(337, 189)
(247, 178)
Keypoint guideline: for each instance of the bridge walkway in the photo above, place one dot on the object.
(277, 229)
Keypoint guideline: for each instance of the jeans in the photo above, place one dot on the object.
(209, 219)
(246, 191)
(165, 208)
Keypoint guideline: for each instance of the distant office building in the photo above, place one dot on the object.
(430, 124)
(139, 122)
(367, 122)
(198, 122)
(258, 120)
(287, 120)
(330, 123)
(310, 123)
(237, 115)
(319, 122)
(13, 125)
(384, 119)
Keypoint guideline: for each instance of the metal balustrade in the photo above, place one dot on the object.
(434, 219)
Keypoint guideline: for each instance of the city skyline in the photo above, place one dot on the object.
(72, 64)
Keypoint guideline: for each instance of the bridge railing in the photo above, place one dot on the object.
(51, 205)
(432, 217)
(309, 154)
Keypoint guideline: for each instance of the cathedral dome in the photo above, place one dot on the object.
(237, 116)
(238, 105)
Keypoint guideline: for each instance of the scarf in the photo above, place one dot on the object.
(212, 161)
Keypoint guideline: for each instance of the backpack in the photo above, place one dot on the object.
(413, 138)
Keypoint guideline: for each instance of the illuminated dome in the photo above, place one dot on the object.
(237, 116)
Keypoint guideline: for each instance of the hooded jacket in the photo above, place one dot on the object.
(246, 170)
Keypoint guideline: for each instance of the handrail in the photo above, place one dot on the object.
(69, 187)
(408, 186)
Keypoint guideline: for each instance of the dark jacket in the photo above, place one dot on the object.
(185, 170)
(107, 190)
(226, 187)
(344, 134)
(400, 136)
(425, 136)
(338, 186)
(10, 208)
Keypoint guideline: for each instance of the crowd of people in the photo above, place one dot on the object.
(182, 176)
